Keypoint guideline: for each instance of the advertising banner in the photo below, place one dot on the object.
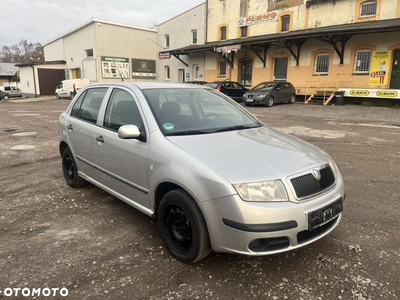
(115, 67)
(380, 68)
(279, 4)
(143, 68)
(256, 19)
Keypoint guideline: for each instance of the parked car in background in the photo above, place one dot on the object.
(4, 95)
(197, 82)
(269, 93)
(213, 175)
(68, 88)
(12, 91)
(232, 89)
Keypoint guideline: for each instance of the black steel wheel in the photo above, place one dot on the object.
(70, 170)
(182, 227)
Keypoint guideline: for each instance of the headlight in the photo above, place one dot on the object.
(261, 96)
(265, 191)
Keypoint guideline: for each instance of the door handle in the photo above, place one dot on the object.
(100, 139)
(69, 127)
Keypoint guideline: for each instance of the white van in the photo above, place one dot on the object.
(68, 88)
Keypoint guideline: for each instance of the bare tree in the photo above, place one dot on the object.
(23, 52)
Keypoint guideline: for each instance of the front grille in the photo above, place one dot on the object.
(307, 235)
(306, 185)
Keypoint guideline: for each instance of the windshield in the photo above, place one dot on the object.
(264, 85)
(186, 111)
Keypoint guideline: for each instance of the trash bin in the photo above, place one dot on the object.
(339, 97)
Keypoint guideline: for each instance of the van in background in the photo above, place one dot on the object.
(68, 88)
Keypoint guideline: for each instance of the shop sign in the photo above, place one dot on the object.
(386, 94)
(115, 67)
(143, 68)
(380, 68)
(359, 93)
(256, 19)
(164, 55)
(279, 4)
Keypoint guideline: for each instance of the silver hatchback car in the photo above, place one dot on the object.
(213, 175)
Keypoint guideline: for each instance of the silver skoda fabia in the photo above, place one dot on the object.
(214, 176)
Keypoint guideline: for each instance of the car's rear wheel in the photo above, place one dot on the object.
(292, 99)
(58, 96)
(182, 226)
(70, 170)
(270, 101)
(6, 97)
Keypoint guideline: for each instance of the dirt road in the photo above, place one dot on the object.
(97, 247)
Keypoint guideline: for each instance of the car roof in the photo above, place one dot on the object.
(147, 85)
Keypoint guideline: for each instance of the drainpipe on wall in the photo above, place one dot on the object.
(34, 79)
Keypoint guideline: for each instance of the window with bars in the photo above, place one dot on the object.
(285, 23)
(223, 32)
(166, 40)
(322, 64)
(368, 9)
(222, 68)
(362, 61)
(167, 73)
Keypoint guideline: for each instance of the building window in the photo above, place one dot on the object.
(244, 4)
(89, 53)
(167, 73)
(222, 68)
(322, 64)
(196, 72)
(368, 9)
(194, 36)
(362, 61)
(243, 31)
(285, 23)
(223, 32)
(166, 40)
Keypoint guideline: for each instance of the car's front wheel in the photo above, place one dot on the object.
(58, 96)
(292, 99)
(70, 170)
(6, 97)
(270, 101)
(182, 227)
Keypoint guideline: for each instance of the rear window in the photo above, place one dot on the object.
(212, 85)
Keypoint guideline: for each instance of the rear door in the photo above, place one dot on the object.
(81, 129)
(123, 162)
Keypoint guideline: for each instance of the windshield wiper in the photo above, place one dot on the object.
(188, 132)
(236, 127)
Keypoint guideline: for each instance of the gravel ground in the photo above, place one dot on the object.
(97, 247)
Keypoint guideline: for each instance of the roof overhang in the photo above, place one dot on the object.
(37, 63)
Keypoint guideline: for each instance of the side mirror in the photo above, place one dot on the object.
(128, 132)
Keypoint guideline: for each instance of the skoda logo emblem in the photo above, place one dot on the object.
(316, 174)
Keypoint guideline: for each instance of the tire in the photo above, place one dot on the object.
(182, 227)
(70, 170)
(292, 99)
(58, 96)
(270, 101)
(6, 97)
(71, 95)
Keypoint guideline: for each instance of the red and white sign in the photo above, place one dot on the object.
(261, 18)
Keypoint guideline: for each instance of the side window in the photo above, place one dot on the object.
(89, 106)
(122, 110)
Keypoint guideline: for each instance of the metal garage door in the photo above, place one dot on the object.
(49, 79)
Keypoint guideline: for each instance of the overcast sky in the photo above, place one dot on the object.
(40, 21)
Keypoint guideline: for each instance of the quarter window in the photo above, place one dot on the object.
(368, 9)
(87, 107)
(222, 68)
(362, 61)
(122, 110)
(322, 64)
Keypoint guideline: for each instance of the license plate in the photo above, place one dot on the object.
(249, 100)
(325, 214)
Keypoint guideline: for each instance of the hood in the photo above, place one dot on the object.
(252, 155)
(256, 92)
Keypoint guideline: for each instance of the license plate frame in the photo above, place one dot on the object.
(250, 100)
(323, 215)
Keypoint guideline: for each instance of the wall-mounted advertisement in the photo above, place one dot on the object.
(256, 19)
(279, 4)
(380, 68)
(143, 68)
(115, 67)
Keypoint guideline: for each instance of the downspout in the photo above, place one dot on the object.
(34, 79)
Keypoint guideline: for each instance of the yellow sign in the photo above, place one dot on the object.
(380, 68)
(359, 93)
(386, 94)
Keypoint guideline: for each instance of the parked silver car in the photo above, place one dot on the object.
(213, 175)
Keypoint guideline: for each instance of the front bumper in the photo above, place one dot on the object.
(251, 228)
